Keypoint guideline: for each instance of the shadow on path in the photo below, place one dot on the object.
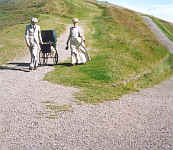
(60, 64)
(13, 68)
(19, 64)
(23, 67)
(65, 64)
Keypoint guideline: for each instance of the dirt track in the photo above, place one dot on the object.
(139, 121)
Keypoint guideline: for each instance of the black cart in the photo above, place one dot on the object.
(48, 48)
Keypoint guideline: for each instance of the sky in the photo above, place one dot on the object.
(159, 8)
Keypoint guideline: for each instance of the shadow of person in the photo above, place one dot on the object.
(65, 64)
(13, 68)
(19, 64)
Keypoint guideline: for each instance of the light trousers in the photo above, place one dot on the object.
(34, 55)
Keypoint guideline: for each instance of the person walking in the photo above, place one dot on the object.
(33, 40)
(79, 52)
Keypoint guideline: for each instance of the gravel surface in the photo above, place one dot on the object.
(138, 121)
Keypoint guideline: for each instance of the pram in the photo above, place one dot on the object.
(48, 48)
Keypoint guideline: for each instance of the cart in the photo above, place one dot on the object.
(48, 48)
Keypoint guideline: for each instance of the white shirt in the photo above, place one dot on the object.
(75, 32)
(33, 34)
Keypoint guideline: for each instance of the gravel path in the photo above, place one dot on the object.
(159, 34)
(138, 121)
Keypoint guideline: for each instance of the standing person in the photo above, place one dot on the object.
(33, 39)
(79, 52)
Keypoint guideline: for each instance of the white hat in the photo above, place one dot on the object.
(34, 20)
(75, 20)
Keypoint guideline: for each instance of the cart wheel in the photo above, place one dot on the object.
(55, 59)
(40, 58)
(46, 58)
(43, 58)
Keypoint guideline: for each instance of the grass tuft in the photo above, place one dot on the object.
(57, 108)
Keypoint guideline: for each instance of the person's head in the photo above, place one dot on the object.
(34, 21)
(75, 21)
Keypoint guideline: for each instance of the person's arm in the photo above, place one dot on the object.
(68, 39)
(81, 35)
(27, 36)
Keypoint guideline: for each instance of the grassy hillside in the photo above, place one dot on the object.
(122, 46)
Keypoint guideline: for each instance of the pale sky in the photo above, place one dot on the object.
(159, 8)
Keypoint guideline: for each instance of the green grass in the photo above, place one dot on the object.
(18, 12)
(57, 108)
(52, 109)
(161, 72)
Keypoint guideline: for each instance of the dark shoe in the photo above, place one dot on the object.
(30, 68)
(81, 63)
(35, 68)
